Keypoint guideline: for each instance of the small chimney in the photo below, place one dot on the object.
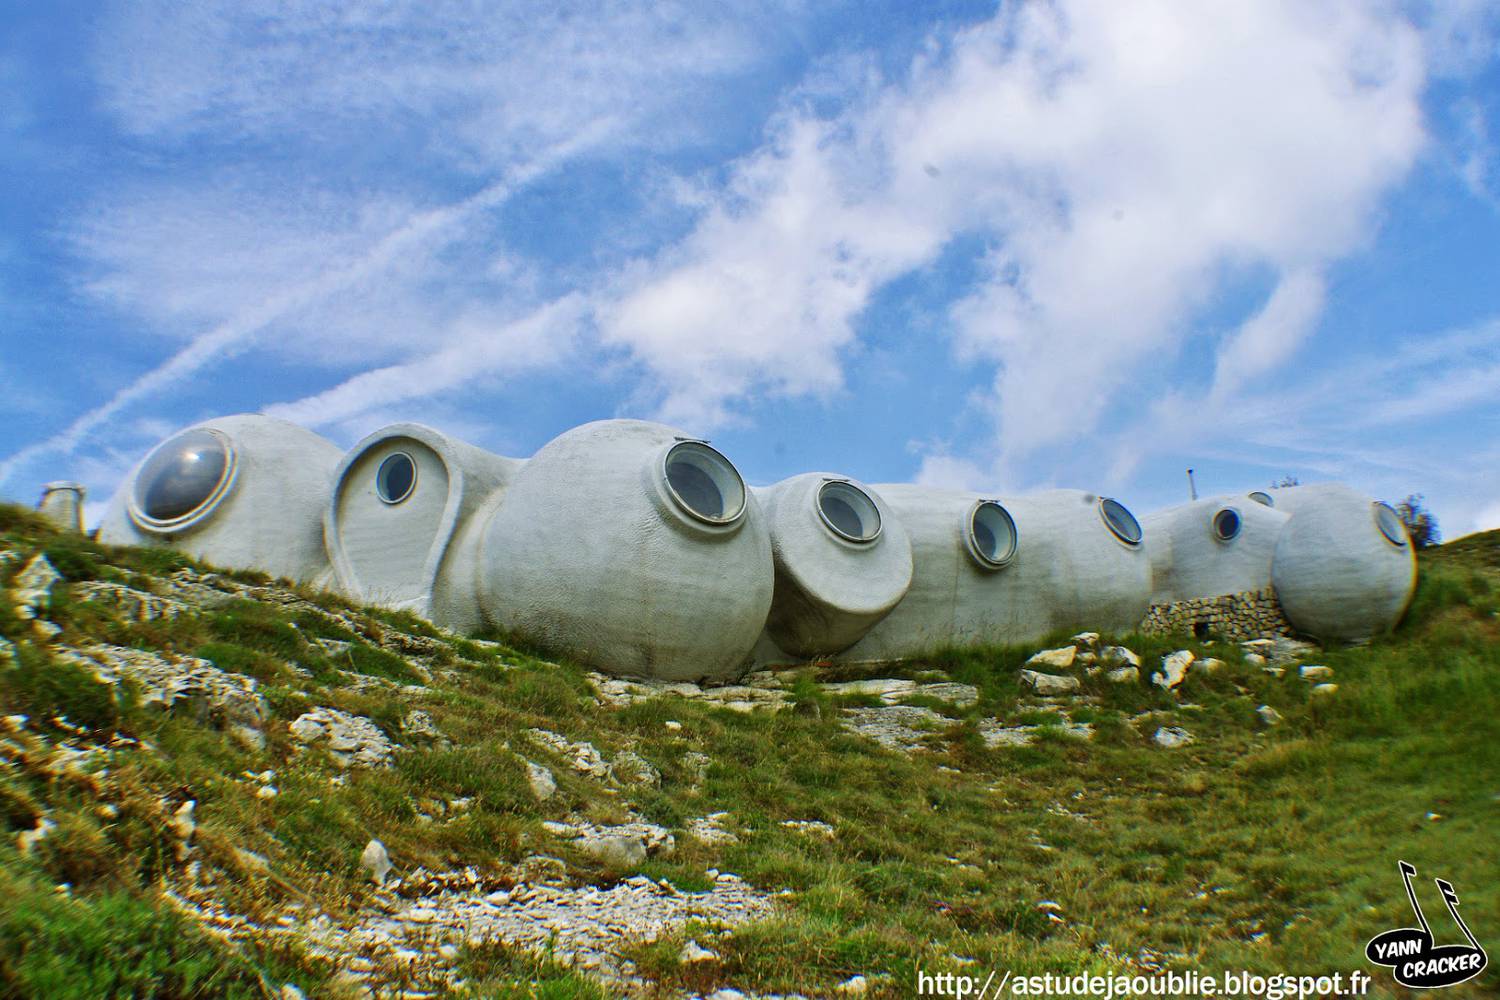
(62, 504)
(1192, 486)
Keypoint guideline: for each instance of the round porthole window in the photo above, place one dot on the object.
(1389, 523)
(396, 478)
(848, 511)
(704, 483)
(1263, 498)
(992, 534)
(183, 479)
(1226, 524)
(1120, 521)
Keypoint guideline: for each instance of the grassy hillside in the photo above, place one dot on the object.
(1255, 847)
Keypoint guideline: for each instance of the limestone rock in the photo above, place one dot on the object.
(376, 860)
(418, 725)
(1174, 667)
(1086, 640)
(1209, 665)
(631, 768)
(1315, 672)
(1124, 675)
(1255, 660)
(31, 591)
(1268, 716)
(1049, 684)
(1324, 690)
(183, 824)
(351, 740)
(615, 851)
(1172, 737)
(543, 785)
(230, 701)
(27, 840)
(136, 605)
(542, 869)
(811, 827)
(692, 953)
(854, 986)
(713, 830)
(1118, 656)
(896, 727)
(1061, 658)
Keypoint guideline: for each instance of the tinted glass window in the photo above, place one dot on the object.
(396, 477)
(992, 533)
(704, 483)
(1227, 523)
(1263, 498)
(1121, 521)
(182, 475)
(1390, 524)
(849, 511)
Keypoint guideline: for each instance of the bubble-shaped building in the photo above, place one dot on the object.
(638, 549)
(243, 492)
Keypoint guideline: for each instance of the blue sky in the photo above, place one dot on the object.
(1084, 243)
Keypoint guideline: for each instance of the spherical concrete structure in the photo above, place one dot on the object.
(1211, 547)
(242, 492)
(401, 498)
(962, 550)
(633, 548)
(1344, 566)
(843, 561)
(1010, 570)
(1083, 564)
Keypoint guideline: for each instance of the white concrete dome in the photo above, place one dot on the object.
(633, 548)
(964, 548)
(1082, 564)
(843, 560)
(402, 496)
(242, 492)
(1343, 567)
(1211, 547)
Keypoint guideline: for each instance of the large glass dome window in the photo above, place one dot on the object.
(396, 478)
(848, 511)
(1120, 521)
(1389, 523)
(992, 534)
(1227, 524)
(183, 478)
(704, 483)
(1263, 498)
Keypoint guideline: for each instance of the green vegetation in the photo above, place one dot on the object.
(1272, 850)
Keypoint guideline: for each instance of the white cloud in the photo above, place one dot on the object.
(1118, 159)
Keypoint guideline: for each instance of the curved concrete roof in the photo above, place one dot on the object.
(830, 589)
(1336, 575)
(1189, 559)
(270, 515)
(400, 554)
(591, 555)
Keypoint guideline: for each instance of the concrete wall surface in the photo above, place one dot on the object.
(268, 518)
(593, 554)
(1191, 560)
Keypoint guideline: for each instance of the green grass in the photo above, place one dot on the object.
(1262, 849)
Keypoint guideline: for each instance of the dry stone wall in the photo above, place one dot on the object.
(1251, 614)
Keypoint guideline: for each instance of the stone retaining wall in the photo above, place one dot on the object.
(1252, 614)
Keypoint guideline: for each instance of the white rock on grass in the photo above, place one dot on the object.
(174, 683)
(855, 986)
(351, 740)
(31, 590)
(1089, 640)
(692, 953)
(1254, 660)
(1315, 672)
(1174, 668)
(1324, 690)
(1048, 684)
(1172, 737)
(615, 851)
(713, 830)
(1124, 675)
(376, 860)
(1209, 665)
(543, 785)
(1060, 658)
(27, 840)
(1118, 656)
(1268, 715)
